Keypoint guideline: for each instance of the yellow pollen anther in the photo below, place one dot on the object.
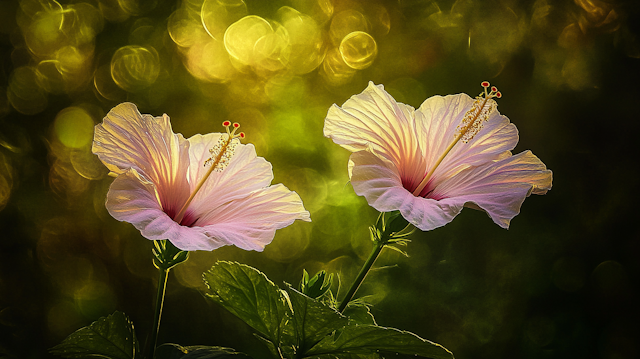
(221, 155)
(222, 152)
(472, 123)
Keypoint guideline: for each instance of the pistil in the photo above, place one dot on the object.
(221, 154)
(471, 124)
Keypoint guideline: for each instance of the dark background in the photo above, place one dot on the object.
(562, 282)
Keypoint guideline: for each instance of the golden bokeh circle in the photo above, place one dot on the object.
(306, 40)
(253, 41)
(346, 22)
(24, 92)
(73, 127)
(87, 164)
(209, 61)
(43, 34)
(358, 50)
(134, 68)
(217, 15)
(105, 86)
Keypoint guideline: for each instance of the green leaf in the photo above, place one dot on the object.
(174, 351)
(109, 337)
(312, 319)
(251, 296)
(359, 313)
(273, 350)
(317, 286)
(368, 339)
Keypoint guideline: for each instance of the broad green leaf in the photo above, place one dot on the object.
(313, 320)
(109, 337)
(251, 296)
(174, 351)
(365, 339)
(358, 313)
(273, 350)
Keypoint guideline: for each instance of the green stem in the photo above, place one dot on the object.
(162, 286)
(377, 248)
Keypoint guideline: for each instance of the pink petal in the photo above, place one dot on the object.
(379, 182)
(126, 139)
(374, 120)
(498, 188)
(245, 174)
(437, 121)
(132, 199)
(250, 223)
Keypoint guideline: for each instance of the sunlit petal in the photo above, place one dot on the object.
(133, 199)
(250, 223)
(245, 174)
(374, 120)
(499, 188)
(378, 181)
(126, 139)
(437, 121)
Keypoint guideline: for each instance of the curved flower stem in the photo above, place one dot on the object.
(166, 256)
(375, 252)
(162, 286)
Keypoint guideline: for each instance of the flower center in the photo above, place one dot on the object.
(221, 154)
(471, 124)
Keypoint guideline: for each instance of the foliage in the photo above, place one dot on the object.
(108, 337)
(316, 286)
(294, 325)
(290, 323)
(174, 351)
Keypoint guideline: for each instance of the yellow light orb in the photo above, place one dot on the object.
(43, 35)
(346, 22)
(241, 37)
(134, 68)
(305, 37)
(335, 71)
(217, 15)
(74, 127)
(24, 92)
(209, 61)
(185, 28)
(358, 50)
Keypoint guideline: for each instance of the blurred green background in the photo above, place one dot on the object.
(562, 282)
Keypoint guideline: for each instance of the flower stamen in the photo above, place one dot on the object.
(221, 155)
(472, 123)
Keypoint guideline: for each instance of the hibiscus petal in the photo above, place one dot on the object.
(379, 182)
(245, 174)
(126, 139)
(374, 120)
(133, 199)
(250, 223)
(499, 188)
(437, 122)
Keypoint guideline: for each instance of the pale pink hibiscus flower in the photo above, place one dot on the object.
(453, 152)
(200, 193)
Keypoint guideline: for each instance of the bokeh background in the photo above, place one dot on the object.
(562, 282)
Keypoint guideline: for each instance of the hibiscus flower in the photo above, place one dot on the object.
(453, 152)
(200, 193)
